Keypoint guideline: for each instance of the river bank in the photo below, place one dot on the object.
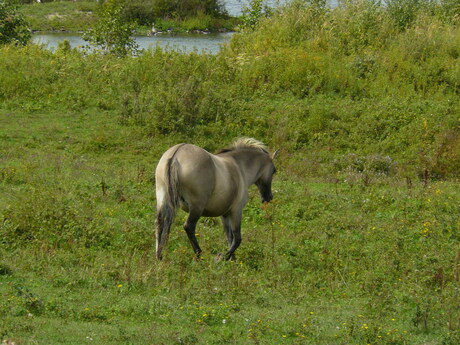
(74, 17)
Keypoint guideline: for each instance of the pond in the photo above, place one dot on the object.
(200, 43)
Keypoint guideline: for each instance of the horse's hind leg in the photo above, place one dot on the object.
(189, 227)
(235, 228)
(227, 225)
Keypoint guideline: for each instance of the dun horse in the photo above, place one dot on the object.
(208, 185)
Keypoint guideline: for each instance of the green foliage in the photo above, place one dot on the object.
(253, 12)
(82, 15)
(112, 34)
(450, 10)
(149, 12)
(13, 27)
(405, 12)
(48, 1)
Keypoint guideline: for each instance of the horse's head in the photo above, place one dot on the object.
(264, 182)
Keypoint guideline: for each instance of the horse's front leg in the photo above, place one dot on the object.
(189, 227)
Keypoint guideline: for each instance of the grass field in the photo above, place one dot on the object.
(327, 262)
(361, 244)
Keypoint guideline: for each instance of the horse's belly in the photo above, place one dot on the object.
(214, 207)
(213, 211)
(216, 204)
(226, 194)
(219, 203)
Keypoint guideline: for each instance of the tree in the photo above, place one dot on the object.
(112, 34)
(13, 26)
(253, 13)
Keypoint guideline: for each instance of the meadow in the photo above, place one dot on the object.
(359, 246)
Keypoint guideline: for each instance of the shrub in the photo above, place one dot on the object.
(148, 12)
(13, 27)
(111, 33)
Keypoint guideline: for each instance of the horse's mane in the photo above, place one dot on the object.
(245, 143)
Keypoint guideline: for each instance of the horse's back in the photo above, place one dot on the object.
(195, 163)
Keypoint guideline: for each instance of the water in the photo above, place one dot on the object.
(207, 43)
(200, 43)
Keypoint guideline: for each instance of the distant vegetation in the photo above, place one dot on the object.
(60, 15)
(352, 78)
(150, 9)
(81, 15)
(147, 11)
(361, 243)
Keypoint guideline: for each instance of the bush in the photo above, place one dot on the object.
(148, 12)
(111, 33)
(13, 27)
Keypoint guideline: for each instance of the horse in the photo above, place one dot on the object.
(210, 185)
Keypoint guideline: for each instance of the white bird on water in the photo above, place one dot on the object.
(154, 31)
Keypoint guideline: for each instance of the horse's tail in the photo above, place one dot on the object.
(167, 202)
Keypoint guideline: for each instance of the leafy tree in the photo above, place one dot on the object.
(253, 13)
(13, 26)
(112, 33)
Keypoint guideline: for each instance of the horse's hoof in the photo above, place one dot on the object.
(219, 257)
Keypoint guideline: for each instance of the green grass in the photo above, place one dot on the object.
(327, 262)
(359, 246)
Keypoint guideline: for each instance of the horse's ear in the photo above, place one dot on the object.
(275, 154)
